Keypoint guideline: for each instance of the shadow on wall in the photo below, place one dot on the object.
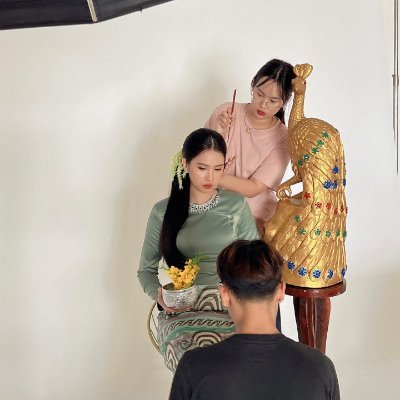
(364, 323)
(383, 327)
(363, 335)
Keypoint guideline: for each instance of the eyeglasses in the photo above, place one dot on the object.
(271, 102)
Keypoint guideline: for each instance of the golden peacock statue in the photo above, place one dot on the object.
(309, 229)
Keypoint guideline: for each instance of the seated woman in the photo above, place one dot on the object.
(196, 220)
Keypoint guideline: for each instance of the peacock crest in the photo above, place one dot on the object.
(303, 70)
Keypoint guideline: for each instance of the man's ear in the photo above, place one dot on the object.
(280, 292)
(224, 292)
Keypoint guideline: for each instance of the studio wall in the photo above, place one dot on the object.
(90, 118)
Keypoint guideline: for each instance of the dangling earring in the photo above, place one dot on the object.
(251, 96)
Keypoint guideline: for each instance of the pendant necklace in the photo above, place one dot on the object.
(248, 129)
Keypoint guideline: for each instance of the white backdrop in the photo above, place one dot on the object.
(90, 118)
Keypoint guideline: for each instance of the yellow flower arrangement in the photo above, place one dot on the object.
(183, 279)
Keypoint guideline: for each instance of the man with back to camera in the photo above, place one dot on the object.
(257, 362)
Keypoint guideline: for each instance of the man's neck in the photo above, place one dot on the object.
(255, 318)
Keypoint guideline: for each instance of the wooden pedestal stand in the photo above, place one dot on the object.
(312, 308)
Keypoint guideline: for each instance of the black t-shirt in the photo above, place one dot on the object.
(255, 367)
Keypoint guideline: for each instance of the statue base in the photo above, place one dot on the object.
(312, 308)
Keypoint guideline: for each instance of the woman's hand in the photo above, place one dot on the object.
(224, 121)
(168, 310)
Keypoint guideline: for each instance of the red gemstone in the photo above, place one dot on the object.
(335, 211)
(319, 205)
(307, 195)
(328, 206)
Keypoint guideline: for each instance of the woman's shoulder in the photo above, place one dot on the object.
(231, 199)
(224, 106)
(281, 130)
(160, 207)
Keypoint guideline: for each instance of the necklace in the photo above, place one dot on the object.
(248, 129)
(202, 208)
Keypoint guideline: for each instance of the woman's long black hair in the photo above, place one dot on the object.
(282, 73)
(178, 204)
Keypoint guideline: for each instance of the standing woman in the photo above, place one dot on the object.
(197, 219)
(256, 138)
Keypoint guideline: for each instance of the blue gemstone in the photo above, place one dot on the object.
(302, 271)
(291, 265)
(344, 182)
(334, 184)
(335, 169)
(330, 274)
(316, 274)
(343, 271)
(327, 184)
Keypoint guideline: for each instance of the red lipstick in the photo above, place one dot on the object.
(208, 186)
(261, 113)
